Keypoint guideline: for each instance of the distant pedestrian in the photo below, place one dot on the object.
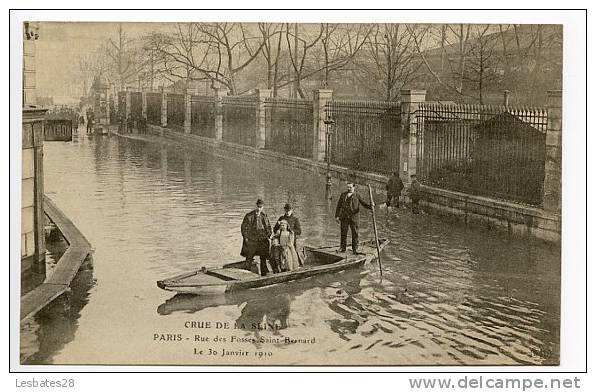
(256, 231)
(346, 214)
(415, 193)
(394, 187)
(90, 119)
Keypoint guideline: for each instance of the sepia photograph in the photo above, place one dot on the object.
(282, 193)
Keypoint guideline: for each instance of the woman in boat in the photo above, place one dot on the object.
(288, 257)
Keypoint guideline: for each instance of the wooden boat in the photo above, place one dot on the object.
(264, 297)
(236, 276)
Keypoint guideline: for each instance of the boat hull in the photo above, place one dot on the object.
(233, 277)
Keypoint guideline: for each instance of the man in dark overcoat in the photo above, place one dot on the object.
(291, 218)
(90, 119)
(394, 187)
(256, 231)
(415, 194)
(294, 226)
(346, 214)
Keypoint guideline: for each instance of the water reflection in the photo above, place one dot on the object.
(56, 325)
(449, 295)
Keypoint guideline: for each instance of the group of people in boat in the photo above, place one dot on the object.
(277, 245)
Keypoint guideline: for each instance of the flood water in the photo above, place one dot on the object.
(449, 295)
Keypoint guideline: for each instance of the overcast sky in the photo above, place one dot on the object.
(61, 44)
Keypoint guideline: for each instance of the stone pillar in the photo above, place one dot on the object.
(260, 96)
(144, 104)
(219, 94)
(164, 107)
(108, 101)
(410, 100)
(115, 96)
(127, 98)
(127, 111)
(187, 110)
(552, 165)
(320, 99)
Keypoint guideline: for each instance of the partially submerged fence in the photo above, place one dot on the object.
(202, 115)
(176, 111)
(239, 120)
(113, 113)
(483, 150)
(154, 108)
(365, 135)
(136, 106)
(122, 104)
(289, 126)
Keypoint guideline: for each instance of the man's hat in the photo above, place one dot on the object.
(288, 206)
(260, 202)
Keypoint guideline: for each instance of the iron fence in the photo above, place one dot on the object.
(113, 113)
(484, 150)
(121, 104)
(239, 120)
(154, 108)
(366, 135)
(176, 111)
(289, 126)
(136, 106)
(202, 111)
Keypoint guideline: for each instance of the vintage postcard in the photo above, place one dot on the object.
(282, 193)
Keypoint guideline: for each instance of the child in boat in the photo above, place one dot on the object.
(288, 257)
(275, 255)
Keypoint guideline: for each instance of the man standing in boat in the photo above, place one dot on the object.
(256, 231)
(346, 214)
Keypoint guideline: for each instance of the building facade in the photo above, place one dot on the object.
(32, 214)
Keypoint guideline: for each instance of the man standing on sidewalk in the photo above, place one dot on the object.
(346, 214)
(394, 188)
(414, 194)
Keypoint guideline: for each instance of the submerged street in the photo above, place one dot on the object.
(449, 294)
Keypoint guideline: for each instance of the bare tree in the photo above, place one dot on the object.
(123, 57)
(214, 51)
(482, 61)
(91, 65)
(180, 54)
(272, 48)
(322, 51)
(452, 52)
(340, 43)
(536, 50)
(232, 47)
(303, 44)
(388, 60)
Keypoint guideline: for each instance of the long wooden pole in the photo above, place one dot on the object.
(372, 205)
